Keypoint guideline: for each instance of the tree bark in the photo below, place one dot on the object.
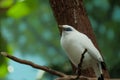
(72, 12)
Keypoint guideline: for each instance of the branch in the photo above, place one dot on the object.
(73, 77)
(61, 75)
(44, 68)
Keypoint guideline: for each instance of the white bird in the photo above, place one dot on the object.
(74, 43)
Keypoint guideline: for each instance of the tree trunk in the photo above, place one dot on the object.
(72, 12)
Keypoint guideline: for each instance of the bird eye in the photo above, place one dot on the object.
(67, 29)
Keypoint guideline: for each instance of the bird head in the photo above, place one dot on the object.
(66, 28)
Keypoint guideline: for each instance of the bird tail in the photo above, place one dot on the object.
(101, 77)
(101, 66)
(98, 71)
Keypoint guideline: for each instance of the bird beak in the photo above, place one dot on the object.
(61, 26)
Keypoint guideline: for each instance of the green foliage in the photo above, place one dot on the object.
(3, 70)
(3, 61)
(19, 10)
(6, 3)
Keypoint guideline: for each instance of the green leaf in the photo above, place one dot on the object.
(3, 70)
(6, 3)
(19, 10)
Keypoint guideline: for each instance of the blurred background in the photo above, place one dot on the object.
(28, 30)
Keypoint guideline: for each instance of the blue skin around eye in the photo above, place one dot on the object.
(68, 29)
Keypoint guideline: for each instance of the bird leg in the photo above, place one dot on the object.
(78, 71)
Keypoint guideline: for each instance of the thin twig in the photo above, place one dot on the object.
(80, 64)
(44, 68)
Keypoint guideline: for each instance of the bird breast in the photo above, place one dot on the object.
(74, 50)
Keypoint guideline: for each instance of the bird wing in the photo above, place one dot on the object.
(92, 50)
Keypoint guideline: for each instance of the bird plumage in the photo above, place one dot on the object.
(74, 43)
